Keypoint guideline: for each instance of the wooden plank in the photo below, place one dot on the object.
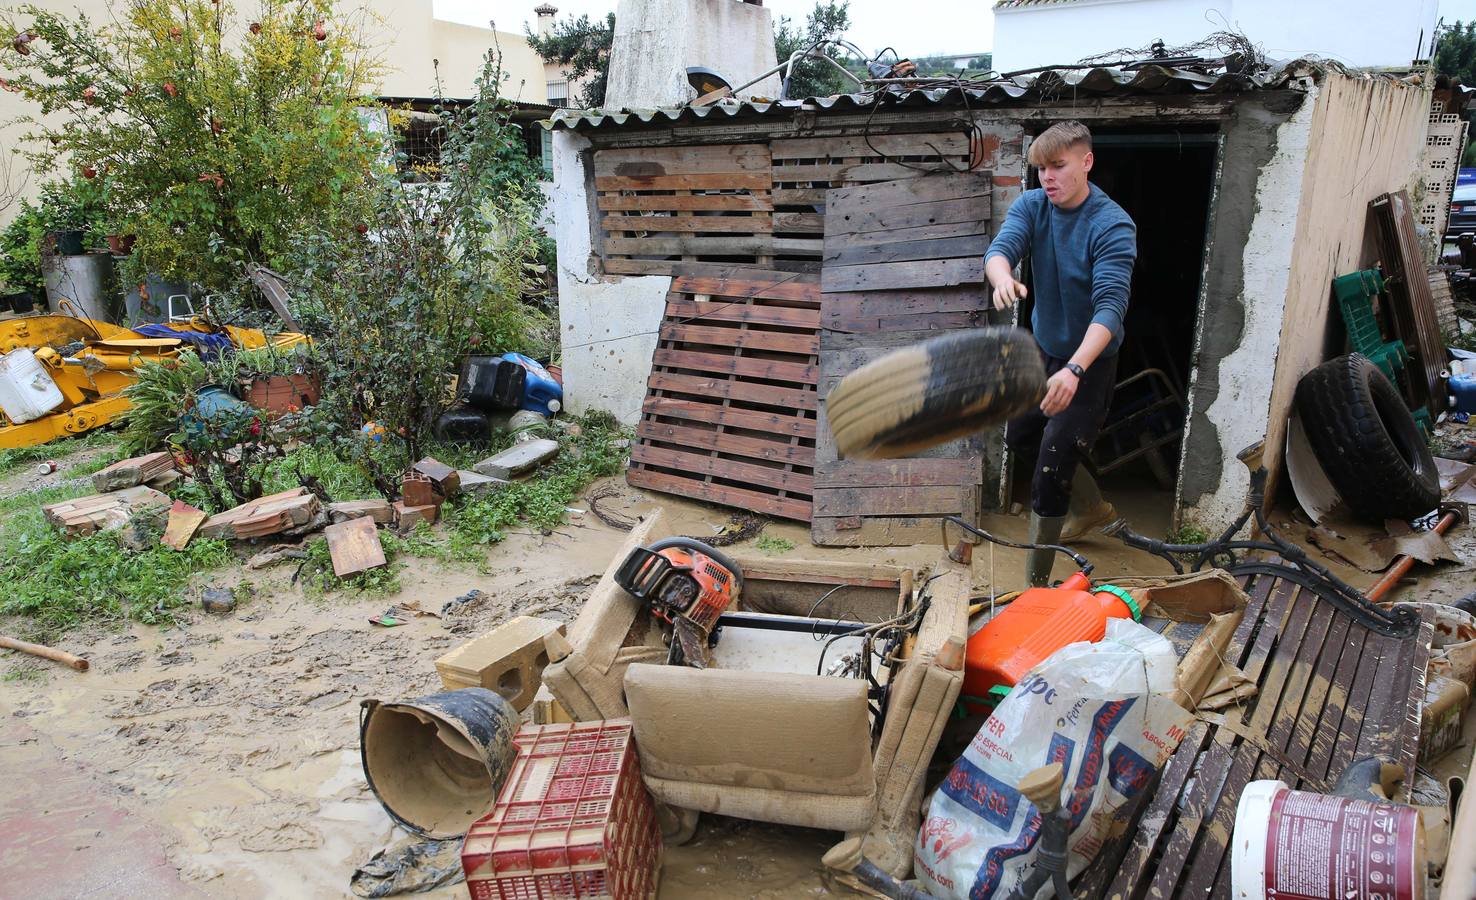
(897, 276)
(616, 202)
(724, 309)
(878, 531)
(767, 504)
(747, 158)
(729, 470)
(617, 266)
(788, 222)
(890, 501)
(782, 425)
(354, 546)
(1414, 317)
(1318, 704)
(799, 197)
(909, 191)
(775, 341)
(724, 442)
(735, 365)
(686, 245)
(928, 143)
(794, 397)
(763, 282)
(719, 181)
(704, 224)
(875, 473)
(920, 223)
(1338, 703)
(799, 246)
(836, 173)
(907, 251)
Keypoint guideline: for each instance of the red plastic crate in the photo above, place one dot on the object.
(573, 820)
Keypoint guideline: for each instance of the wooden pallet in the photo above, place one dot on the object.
(1330, 692)
(661, 206)
(903, 261)
(730, 410)
(1413, 308)
(805, 169)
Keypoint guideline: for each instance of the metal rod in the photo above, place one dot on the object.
(1405, 562)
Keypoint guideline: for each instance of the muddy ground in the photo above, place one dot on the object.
(223, 753)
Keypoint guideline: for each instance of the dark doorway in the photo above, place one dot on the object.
(1165, 182)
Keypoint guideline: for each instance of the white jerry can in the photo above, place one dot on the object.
(26, 390)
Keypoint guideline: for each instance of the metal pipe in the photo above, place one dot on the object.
(1405, 562)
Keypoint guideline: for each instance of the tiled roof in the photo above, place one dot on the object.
(1148, 79)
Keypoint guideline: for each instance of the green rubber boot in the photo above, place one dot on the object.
(1043, 530)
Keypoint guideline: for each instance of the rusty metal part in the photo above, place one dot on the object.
(1450, 514)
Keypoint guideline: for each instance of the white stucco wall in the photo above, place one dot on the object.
(1240, 411)
(607, 324)
(1353, 32)
(656, 40)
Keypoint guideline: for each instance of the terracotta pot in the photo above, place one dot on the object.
(121, 244)
(277, 394)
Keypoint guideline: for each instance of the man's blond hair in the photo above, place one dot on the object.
(1058, 138)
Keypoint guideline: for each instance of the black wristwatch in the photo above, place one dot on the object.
(1074, 369)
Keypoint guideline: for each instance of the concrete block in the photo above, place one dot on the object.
(417, 490)
(378, 510)
(444, 479)
(407, 517)
(166, 481)
(476, 485)
(509, 659)
(518, 459)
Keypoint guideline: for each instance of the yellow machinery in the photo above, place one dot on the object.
(92, 377)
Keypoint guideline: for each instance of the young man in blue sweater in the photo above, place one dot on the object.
(1081, 247)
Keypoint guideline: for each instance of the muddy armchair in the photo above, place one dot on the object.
(786, 746)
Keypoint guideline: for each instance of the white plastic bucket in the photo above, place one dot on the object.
(26, 391)
(1294, 845)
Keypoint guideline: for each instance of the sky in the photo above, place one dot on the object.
(928, 27)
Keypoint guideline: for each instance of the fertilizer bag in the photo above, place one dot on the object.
(1104, 712)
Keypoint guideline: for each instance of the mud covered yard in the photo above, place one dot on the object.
(219, 756)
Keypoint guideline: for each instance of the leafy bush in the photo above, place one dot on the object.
(221, 140)
(442, 273)
(75, 205)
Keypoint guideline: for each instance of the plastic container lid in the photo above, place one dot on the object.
(1122, 595)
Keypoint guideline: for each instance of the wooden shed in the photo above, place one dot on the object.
(710, 291)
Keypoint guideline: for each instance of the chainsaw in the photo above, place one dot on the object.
(686, 584)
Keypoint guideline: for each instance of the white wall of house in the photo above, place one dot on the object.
(1353, 32)
(656, 40)
(607, 324)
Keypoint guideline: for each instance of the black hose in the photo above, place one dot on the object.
(1081, 561)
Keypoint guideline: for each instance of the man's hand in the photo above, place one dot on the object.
(1060, 388)
(1007, 291)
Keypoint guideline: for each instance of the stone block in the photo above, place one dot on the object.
(475, 485)
(509, 659)
(407, 516)
(518, 459)
(378, 510)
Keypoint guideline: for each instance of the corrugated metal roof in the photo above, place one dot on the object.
(1049, 85)
(1016, 4)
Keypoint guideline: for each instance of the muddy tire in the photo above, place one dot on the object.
(1367, 441)
(925, 395)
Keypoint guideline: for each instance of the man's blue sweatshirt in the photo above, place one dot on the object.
(1081, 262)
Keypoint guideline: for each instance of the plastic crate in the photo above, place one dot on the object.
(573, 820)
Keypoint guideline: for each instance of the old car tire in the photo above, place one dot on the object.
(935, 391)
(1367, 441)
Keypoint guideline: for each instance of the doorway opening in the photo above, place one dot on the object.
(1165, 182)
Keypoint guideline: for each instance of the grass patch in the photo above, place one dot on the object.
(541, 501)
(1187, 534)
(84, 469)
(59, 583)
(16, 457)
(773, 546)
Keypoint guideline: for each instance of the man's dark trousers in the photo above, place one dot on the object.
(1058, 443)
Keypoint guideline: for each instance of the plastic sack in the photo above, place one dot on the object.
(1104, 712)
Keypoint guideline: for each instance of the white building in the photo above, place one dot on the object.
(1362, 33)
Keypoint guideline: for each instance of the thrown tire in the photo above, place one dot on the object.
(928, 394)
(1367, 441)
